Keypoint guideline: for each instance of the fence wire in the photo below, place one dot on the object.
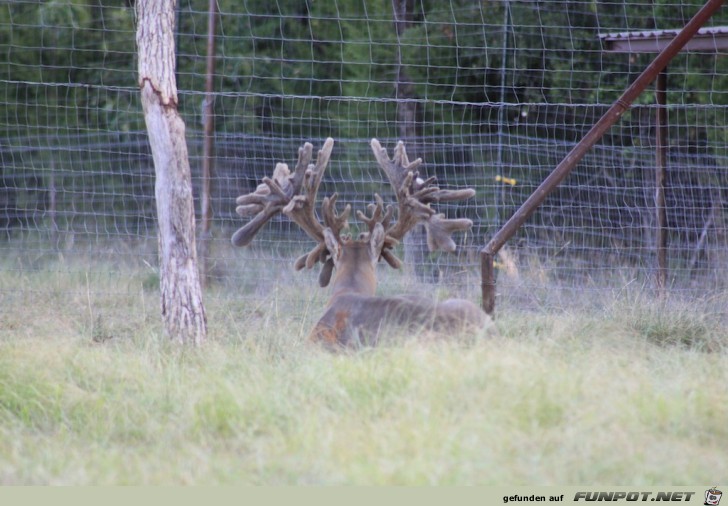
(491, 95)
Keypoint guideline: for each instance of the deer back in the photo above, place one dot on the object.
(354, 320)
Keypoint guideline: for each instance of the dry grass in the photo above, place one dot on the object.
(91, 393)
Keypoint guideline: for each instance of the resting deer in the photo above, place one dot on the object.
(354, 315)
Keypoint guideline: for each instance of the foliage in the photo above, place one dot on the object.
(61, 58)
(288, 58)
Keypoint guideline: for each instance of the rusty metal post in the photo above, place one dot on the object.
(208, 123)
(661, 179)
(487, 281)
(597, 131)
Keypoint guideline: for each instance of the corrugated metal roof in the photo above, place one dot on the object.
(713, 30)
(708, 39)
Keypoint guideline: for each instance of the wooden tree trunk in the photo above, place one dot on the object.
(183, 312)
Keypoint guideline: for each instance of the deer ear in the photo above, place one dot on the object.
(332, 244)
(376, 242)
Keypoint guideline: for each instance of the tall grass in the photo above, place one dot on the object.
(630, 392)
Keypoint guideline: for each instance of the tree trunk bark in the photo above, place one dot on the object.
(183, 312)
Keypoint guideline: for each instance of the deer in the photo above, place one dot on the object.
(354, 315)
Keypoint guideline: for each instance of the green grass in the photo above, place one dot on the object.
(91, 393)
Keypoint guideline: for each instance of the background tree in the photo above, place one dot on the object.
(182, 309)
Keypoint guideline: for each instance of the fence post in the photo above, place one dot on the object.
(661, 179)
(487, 281)
(208, 122)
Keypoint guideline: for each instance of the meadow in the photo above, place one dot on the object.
(627, 391)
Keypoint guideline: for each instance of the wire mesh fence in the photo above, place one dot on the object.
(491, 95)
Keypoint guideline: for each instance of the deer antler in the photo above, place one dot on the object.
(381, 216)
(302, 209)
(282, 194)
(414, 197)
(271, 197)
(333, 220)
(294, 194)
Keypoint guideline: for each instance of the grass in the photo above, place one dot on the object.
(631, 392)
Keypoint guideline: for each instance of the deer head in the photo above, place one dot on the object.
(294, 194)
(354, 260)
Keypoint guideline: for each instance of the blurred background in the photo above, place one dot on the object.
(491, 94)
